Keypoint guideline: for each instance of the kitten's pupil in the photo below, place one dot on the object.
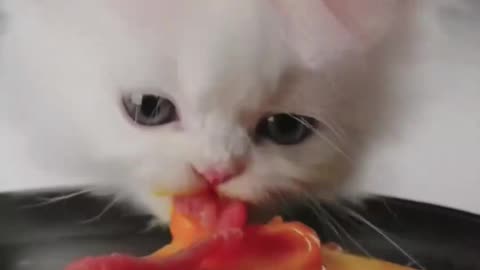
(150, 105)
(150, 110)
(286, 129)
(283, 124)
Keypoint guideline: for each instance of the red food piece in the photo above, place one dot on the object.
(188, 259)
(114, 262)
(210, 233)
(213, 213)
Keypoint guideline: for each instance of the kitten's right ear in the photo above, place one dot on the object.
(318, 28)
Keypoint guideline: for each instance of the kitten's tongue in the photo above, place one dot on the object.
(214, 213)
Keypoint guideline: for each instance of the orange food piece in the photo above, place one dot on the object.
(335, 260)
(276, 245)
(209, 233)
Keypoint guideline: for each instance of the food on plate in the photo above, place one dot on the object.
(211, 233)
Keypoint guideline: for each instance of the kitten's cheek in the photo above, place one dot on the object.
(166, 181)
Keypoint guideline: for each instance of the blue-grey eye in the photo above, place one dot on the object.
(286, 129)
(150, 110)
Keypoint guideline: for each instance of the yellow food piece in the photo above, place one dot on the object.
(337, 260)
(187, 231)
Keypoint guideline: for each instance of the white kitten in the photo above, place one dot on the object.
(72, 76)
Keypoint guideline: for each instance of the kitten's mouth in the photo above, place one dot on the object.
(212, 211)
(211, 208)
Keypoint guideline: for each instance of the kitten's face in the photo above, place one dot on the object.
(146, 97)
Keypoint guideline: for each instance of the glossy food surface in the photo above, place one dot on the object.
(32, 230)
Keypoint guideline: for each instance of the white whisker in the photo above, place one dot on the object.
(152, 224)
(103, 212)
(328, 140)
(135, 118)
(390, 210)
(348, 235)
(336, 129)
(338, 225)
(48, 201)
(359, 217)
(318, 210)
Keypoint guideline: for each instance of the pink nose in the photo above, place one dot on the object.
(216, 176)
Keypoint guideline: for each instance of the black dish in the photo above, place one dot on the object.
(50, 236)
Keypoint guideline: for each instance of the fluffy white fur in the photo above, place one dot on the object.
(65, 64)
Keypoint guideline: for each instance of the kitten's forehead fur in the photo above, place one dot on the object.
(224, 63)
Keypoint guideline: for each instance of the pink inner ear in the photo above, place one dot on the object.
(320, 27)
(312, 30)
(367, 19)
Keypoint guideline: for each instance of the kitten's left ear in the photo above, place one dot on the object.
(319, 28)
(367, 20)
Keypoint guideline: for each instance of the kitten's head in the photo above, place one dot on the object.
(254, 97)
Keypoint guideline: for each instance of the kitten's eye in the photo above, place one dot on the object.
(286, 129)
(150, 110)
